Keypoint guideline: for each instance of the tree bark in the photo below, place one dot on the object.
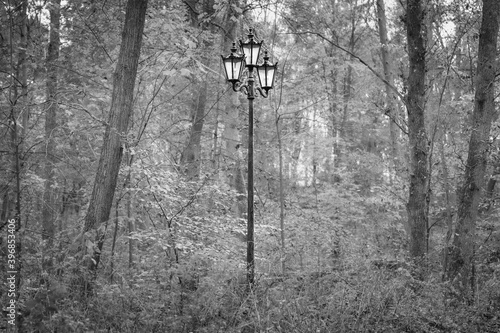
(331, 81)
(191, 156)
(348, 78)
(124, 76)
(14, 45)
(231, 135)
(333, 127)
(460, 269)
(281, 192)
(447, 192)
(418, 199)
(49, 210)
(391, 102)
(15, 61)
(490, 188)
(297, 147)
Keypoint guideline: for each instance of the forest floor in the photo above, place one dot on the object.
(357, 293)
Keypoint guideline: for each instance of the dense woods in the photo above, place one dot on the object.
(124, 174)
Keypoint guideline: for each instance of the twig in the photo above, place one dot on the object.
(82, 108)
(378, 75)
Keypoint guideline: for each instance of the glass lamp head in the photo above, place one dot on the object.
(251, 49)
(233, 65)
(266, 73)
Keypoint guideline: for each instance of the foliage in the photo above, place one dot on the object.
(173, 258)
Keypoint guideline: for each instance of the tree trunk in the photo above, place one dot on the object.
(231, 135)
(447, 192)
(22, 67)
(348, 80)
(314, 158)
(130, 218)
(14, 38)
(391, 102)
(124, 76)
(297, 147)
(113, 243)
(281, 191)
(460, 269)
(418, 199)
(49, 210)
(11, 205)
(191, 156)
(333, 127)
(490, 190)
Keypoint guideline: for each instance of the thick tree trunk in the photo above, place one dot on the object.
(233, 153)
(231, 116)
(418, 199)
(49, 210)
(460, 269)
(124, 76)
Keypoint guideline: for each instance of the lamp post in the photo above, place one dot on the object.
(234, 66)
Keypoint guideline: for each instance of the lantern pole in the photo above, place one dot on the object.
(250, 197)
(250, 90)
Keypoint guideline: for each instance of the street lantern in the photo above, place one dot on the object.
(234, 65)
(251, 49)
(266, 73)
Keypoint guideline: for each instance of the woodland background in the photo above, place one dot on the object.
(123, 159)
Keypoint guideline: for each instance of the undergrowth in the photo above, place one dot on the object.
(357, 296)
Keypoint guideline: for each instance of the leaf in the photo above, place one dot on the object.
(185, 72)
(89, 245)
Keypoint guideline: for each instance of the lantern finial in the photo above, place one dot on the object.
(233, 48)
(266, 56)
